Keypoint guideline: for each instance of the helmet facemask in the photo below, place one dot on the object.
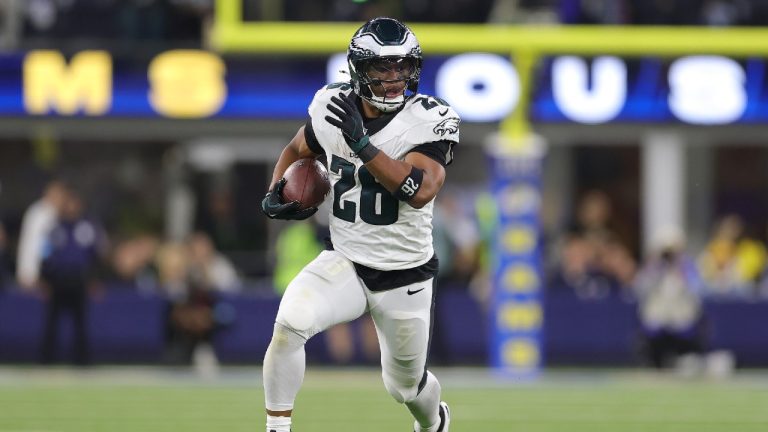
(384, 55)
(379, 76)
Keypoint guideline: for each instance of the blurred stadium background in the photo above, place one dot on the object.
(607, 207)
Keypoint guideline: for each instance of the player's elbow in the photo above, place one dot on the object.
(423, 197)
(417, 203)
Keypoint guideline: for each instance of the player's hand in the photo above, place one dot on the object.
(272, 206)
(349, 121)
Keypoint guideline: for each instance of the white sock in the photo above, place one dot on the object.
(278, 424)
(426, 407)
(284, 365)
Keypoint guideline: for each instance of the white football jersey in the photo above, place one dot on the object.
(369, 225)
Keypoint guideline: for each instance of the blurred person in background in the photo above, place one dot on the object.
(485, 214)
(591, 260)
(189, 313)
(761, 288)
(610, 12)
(191, 319)
(4, 266)
(669, 292)
(575, 270)
(388, 147)
(456, 240)
(4, 261)
(133, 264)
(131, 20)
(210, 267)
(595, 220)
(38, 221)
(732, 261)
(297, 245)
(70, 275)
(666, 12)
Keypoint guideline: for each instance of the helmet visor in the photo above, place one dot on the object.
(389, 69)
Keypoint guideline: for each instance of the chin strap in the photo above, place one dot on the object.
(380, 104)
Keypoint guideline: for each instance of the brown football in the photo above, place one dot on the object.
(306, 182)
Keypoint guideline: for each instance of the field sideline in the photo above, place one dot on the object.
(123, 399)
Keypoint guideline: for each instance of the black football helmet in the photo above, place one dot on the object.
(381, 44)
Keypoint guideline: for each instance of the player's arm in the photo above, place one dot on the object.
(273, 205)
(296, 149)
(416, 180)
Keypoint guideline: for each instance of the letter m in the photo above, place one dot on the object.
(50, 84)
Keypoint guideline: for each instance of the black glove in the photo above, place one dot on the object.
(272, 206)
(349, 121)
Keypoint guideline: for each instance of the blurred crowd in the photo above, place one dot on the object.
(593, 259)
(63, 255)
(187, 20)
(665, 12)
(147, 20)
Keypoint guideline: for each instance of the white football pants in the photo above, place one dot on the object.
(328, 292)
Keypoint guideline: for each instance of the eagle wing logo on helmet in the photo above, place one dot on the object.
(360, 51)
(448, 126)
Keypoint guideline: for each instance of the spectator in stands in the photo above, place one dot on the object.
(485, 213)
(576, 271)
(454, 11)
(187, 322)
(761, 288)
(590, 259)
(297, 244)
(3, 256)
(524, 11)
(663, 12)
(666, 12)
(594, 11)
(719, 13)
(668, 289)
(70, 272)
(133, 262)
(191, 320)
(456, 240)
(37, 223)
(732, 262)
(209, 267)
(144, 20)
(594, 219)
(3, 251)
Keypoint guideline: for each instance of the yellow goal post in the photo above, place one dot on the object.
(524, 44)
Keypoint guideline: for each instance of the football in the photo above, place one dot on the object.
(306, 182)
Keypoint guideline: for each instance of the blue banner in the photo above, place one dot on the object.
(481, 87)
(517, 313)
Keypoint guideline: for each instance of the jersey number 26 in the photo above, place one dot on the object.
(377, 205)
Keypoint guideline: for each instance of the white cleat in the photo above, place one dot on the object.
(445, 419)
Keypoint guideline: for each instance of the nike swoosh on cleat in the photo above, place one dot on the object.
(414, 292)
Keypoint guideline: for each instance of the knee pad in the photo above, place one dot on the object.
(298, 316)
(285, 338)
(403, 368)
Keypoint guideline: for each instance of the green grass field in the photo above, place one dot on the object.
(336, 400)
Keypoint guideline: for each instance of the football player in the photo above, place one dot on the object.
(386, 147)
